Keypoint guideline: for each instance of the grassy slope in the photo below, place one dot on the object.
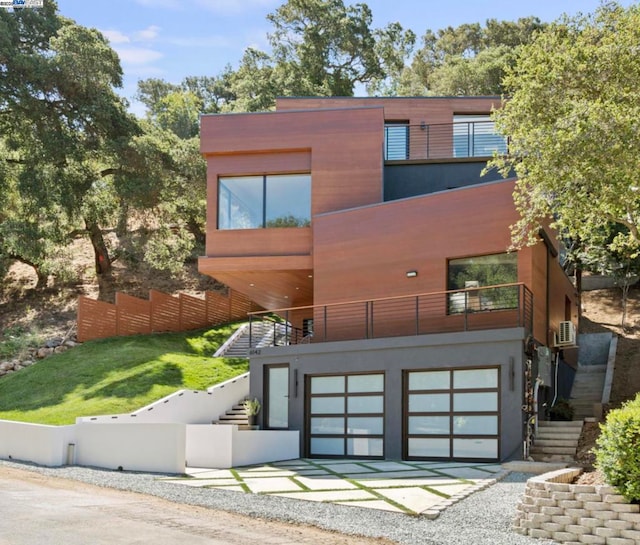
(116, 375)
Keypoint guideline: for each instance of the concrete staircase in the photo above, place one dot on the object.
(556, 441)
(586, 391)
(235, 415)
(261, 334)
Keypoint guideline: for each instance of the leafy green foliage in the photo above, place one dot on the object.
(467, 60)
(116, 375)
(618, 449)
(572, 122)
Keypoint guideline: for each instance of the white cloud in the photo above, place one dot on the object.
(138, 55)
(116, 37)
(147, 35)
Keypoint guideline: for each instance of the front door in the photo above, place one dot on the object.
(277, 396)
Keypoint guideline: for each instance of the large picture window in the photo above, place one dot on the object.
(255, 202)
(480, 271)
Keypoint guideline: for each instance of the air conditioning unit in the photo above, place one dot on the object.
(566, 334)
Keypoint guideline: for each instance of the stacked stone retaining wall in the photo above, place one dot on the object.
(575, 514)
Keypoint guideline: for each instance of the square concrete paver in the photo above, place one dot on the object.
(427, 481)
(389, 466)
(392, 475)
(326, 483)
(271, 485)
(453, 489)
(415, 499)
(334, 496)
(344, 469)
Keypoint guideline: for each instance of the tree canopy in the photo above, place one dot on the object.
(470, 59)
(573, 122)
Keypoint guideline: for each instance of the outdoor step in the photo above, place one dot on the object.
(553, 450)
(560, 424)
(233, 417)
(552, 458)
(556, 442)
(573, 439)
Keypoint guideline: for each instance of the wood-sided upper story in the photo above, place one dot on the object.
(298, 213)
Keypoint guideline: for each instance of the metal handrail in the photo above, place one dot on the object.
(487, 307)
(466, 139)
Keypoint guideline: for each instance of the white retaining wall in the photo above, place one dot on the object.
(226, 446)
(159, 448)
(44, 445)
(186, 406)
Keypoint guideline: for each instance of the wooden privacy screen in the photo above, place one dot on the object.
(132, 315)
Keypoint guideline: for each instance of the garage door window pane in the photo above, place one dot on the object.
(327, 385)
(327, 405)
(365, 383)
(475, 402)
(365, 426)
(327, 446)
(475, 448)
(429, 425)
(475, 378)
(429, 403)
(475, 425)
(429, 448)
(327, 425)
(366, 404)
(362, 446)
(429, 380)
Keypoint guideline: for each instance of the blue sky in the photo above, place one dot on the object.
(171, 39)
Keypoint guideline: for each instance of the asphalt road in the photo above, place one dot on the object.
(40, 510)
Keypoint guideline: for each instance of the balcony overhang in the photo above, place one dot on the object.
(270, 281)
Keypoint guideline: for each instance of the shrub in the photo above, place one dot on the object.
(618, 449)
(561, 411)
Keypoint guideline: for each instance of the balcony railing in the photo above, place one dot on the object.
(491, 307)
(442, 141)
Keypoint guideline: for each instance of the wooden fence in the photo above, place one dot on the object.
(161, 313)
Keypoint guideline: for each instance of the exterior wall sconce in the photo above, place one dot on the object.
(412, 274)
(423, 125)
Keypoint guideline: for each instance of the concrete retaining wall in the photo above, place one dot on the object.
(225, 446)
(186, 406)
(573, 514)
(44, 445)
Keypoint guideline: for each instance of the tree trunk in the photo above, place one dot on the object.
(42, 277)
(100, 251)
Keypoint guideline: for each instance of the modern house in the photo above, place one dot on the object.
(402, 326)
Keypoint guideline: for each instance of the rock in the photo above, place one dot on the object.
(44, 352)
(27, 363)
(59, 349)
(70, 343)
(6, 365)
(53, 343)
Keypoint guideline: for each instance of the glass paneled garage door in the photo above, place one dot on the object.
(452, 414)
(345, 415)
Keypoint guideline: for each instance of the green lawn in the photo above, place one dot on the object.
(116, 375)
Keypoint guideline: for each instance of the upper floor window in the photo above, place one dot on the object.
(396, 140)
(475, 136)
(480, 271)
(255, 202)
